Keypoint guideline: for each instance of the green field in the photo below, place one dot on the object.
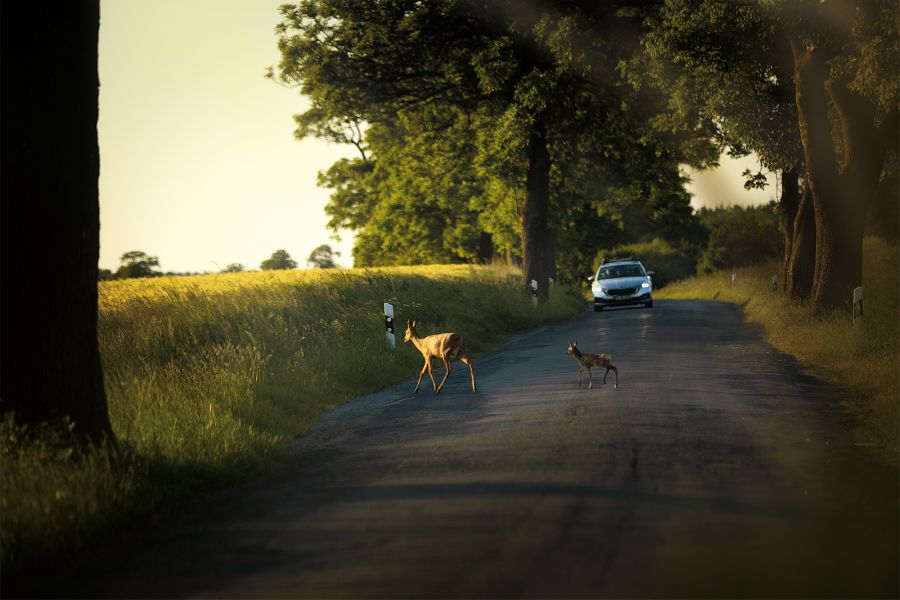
(862, 359)
(209, 377)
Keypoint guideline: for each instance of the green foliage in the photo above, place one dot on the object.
(322, 257)
(279, 261)
(234, 268)
(739, 236)
(137, 264)
(725, 64)
(424, 180)
(209, 377)
(353, 196)
(450, 92)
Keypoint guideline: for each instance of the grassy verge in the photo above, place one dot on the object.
(208, 377)
(862, 359)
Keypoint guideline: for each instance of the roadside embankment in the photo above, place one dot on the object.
(209, 377)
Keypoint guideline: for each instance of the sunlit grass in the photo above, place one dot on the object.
(208, 377)
(863, 359)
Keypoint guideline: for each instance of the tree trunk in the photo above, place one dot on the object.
(838, 258)
(790, 201)
(802, 263)
(485, 252)
(50, 216)
(536, 238)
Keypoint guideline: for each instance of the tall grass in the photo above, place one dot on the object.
(207, 377)
(863, 359)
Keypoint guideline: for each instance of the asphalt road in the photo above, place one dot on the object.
(719, 467)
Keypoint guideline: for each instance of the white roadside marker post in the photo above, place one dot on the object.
(389, 324)
(857, 305)
(534, 286)
(733, 279)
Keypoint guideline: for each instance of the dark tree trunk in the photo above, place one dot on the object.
(485, 248)
(50, 216)
(838, 259)
(790, 201)
(802, 262)
(841, 193)
(536, 238)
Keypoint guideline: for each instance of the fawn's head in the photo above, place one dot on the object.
(410, 330)
(572, 347)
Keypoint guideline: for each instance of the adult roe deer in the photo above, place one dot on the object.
(446, 346)
(586, 361)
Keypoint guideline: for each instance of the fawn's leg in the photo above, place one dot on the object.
(614, 370)
(449, 367)
(590, 378)
(468, 362)
(580, 369)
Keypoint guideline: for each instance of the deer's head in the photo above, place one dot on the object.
(572, 347)
(410, 330)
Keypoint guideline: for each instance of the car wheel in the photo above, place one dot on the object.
(649, 304)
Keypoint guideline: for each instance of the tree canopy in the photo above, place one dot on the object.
(543, 132)
(136, 263)
(322, 257)
(809, 86)
(474, 110)
(280, 260)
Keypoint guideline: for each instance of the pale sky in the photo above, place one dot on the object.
(198, 161)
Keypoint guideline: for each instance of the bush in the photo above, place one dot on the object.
(669, 262)
(739, 236)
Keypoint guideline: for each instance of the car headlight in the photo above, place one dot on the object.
(645, 284)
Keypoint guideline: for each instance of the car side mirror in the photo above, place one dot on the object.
(651, 272)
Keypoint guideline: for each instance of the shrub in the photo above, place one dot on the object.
(739, 236)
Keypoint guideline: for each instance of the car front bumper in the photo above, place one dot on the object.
(623, 300)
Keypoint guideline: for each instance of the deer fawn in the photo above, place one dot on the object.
(586, 361)
(446, 346)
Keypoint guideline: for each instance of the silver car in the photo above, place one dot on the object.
(621, 282)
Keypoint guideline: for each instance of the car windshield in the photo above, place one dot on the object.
(614, 271)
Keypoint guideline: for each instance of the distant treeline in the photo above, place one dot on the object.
(137, 264)
(721, 238)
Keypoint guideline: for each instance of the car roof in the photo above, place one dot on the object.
(630, 258)
(620, 261)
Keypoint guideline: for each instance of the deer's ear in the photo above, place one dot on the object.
(575, 343)
(415, 323)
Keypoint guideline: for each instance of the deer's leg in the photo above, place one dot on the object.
(590, 378)
(421, 374)
(431, 374)
(448, 366)
(468, 362)
(580, 369)
(614, 370)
